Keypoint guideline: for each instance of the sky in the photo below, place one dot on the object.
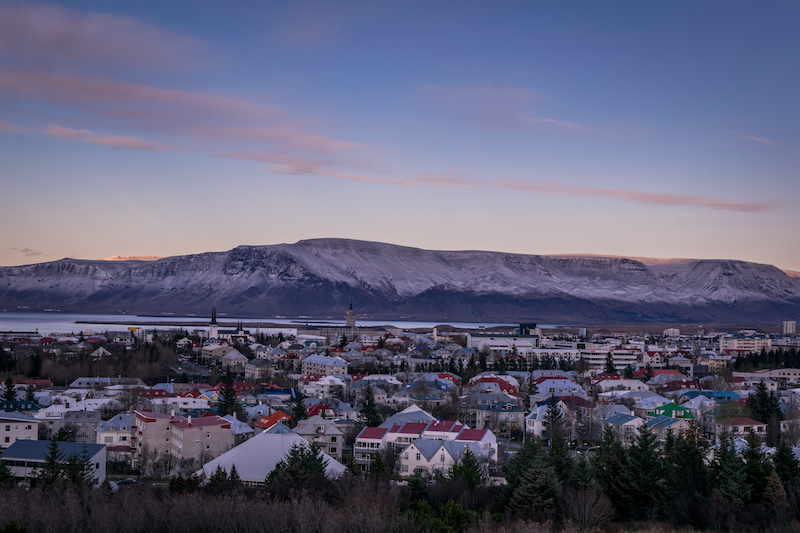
(628, 128)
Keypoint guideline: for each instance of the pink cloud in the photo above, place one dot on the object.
(139, 104)
(49, 36)
(642, 197)
(112, 141)
(753, 138)
(285, 136)
(10, 127)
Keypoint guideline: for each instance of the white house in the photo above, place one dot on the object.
(25, 457)
(435, 456)
(17, 426)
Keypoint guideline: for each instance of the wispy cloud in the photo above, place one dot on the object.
(53, 36)
(113, 141)
(28, 252)
(10, 127)
(641, 197)
(753, 138)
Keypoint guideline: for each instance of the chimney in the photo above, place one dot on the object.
(172, 413)
(190, 420)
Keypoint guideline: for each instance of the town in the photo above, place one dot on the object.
(545, 424)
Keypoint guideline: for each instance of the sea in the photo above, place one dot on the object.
(74, 323)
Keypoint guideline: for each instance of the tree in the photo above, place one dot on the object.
(29, 395)
(468, 468)
(299, 409)
(9, 392)
(537, 489)
(368, 415)
(643, 473)
(7, 479)
(53, 468)
(301, 463)
(609, 367)
(608, 466)
(757, 468)
(558, 453)
(228, 401)
(78, 468)
(233, 477)
(766, 408)
(786, 464)
(728, 476)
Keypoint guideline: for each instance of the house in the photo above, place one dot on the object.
(241, 431)
(115, 434)
(257, 370)
(25, 457)
(322, 364)
(16, 426)
(257, 457)
(672, 410)
(625, 427)
(234, 361)
(151, 436)
(83, 423)
(266, 422)
(502, 417)
(200, 439)
(434, 456)
(740, 426)
(663, 425)
(324, 433)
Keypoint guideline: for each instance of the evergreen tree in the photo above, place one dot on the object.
(558, 453)
(219, 478)
(53, 468)
(9, 392)
(468, 468)
(368, 415)
(299, 409)
(786, 464)
(728, 476)
(29, 395)
(417, 486)
(628, 372)
(377, 466)
(643, 473)
(537, 489)
(582, 477)
(233, 477)
(686, 478)
(228, 401)
(649, 373)
(608, 466)
(7, 479)
(757, 468)
(609, 367)
(78, 468)
(300, 464)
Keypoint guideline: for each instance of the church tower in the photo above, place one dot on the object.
(351, 321)
(213, 327)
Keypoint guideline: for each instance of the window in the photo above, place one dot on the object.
(332, 449)
(8, 428)
(404, 468)
(333, 439)
(109, 440)
(419, 457)
(8, 439)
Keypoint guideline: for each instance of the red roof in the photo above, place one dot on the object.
(542, 379)
(267, 422)
(443, 426)
(149, 416)
(415, 428)
(472, 434)
(191, 394)
(372, 433)
(318, 409)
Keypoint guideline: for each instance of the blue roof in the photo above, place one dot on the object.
(37, 449)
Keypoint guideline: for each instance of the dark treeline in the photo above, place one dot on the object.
(764, 359)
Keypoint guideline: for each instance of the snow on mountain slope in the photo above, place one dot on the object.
(318, 277)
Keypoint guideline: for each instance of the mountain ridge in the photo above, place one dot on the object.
(318, 277)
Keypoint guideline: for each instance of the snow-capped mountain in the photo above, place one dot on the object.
(320, 277)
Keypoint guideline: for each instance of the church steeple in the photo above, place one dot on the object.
(213, 327)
